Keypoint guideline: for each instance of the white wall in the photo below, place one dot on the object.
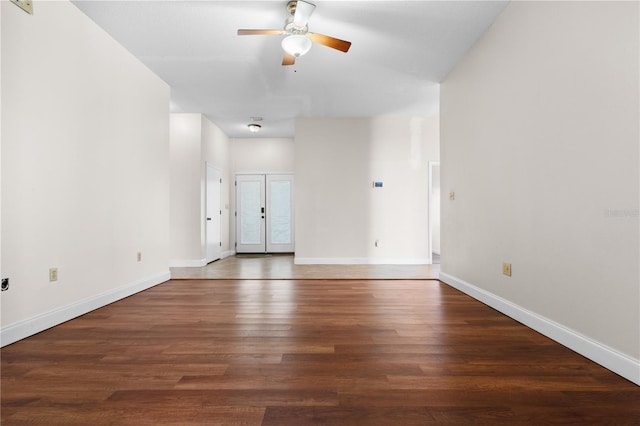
(1, 273)
(85, 161)
(540, 139)
(195, 141)
(258, 155)
(186, 174)
(339, 215)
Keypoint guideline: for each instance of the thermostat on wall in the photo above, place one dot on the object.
(377, 184)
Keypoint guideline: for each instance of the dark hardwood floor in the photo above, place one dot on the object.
(332, 352)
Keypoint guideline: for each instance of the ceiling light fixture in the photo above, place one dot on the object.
(254, 128)
(296, 45)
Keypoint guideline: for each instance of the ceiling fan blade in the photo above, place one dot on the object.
(288, 59)
(331, 42)
(303, 13)
(260, 32)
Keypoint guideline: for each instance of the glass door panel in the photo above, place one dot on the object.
(280, 213)
(250, 233)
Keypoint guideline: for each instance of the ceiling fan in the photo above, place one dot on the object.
(298, 39)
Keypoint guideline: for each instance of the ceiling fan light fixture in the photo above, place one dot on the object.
(254, 128)
(296, 45)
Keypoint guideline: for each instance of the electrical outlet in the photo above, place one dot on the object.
(5, 284)
(53, 274)
(506, 269)
(139, 257)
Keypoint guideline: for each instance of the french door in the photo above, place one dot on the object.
(264, 213)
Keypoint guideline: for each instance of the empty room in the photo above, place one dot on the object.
(319, 212)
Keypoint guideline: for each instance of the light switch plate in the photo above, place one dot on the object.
(26, 5)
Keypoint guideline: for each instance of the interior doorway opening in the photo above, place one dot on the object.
(213, 212)
(434, 212)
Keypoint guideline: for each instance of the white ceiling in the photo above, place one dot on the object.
(400, 51)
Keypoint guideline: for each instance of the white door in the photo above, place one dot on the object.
(264, 213)
(213, 214)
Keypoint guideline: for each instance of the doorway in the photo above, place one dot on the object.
(264, 213)
(434, 212)
(213, 241)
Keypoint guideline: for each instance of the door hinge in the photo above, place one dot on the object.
(236, 245)
(220, 180)
(220, 212)
(236, 214)
(220, 243)
(236, 183)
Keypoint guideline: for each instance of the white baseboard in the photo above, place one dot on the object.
(195, 263)
(18, 331)
(358, 261)
(619, 363)
(189, 263)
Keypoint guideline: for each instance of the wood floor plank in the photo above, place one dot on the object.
(279, 416)
(178, 415)
(225, 397)
(284, 382)
(298, 352)
(339, 369)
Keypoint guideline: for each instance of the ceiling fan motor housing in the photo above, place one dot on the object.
(291, 28)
